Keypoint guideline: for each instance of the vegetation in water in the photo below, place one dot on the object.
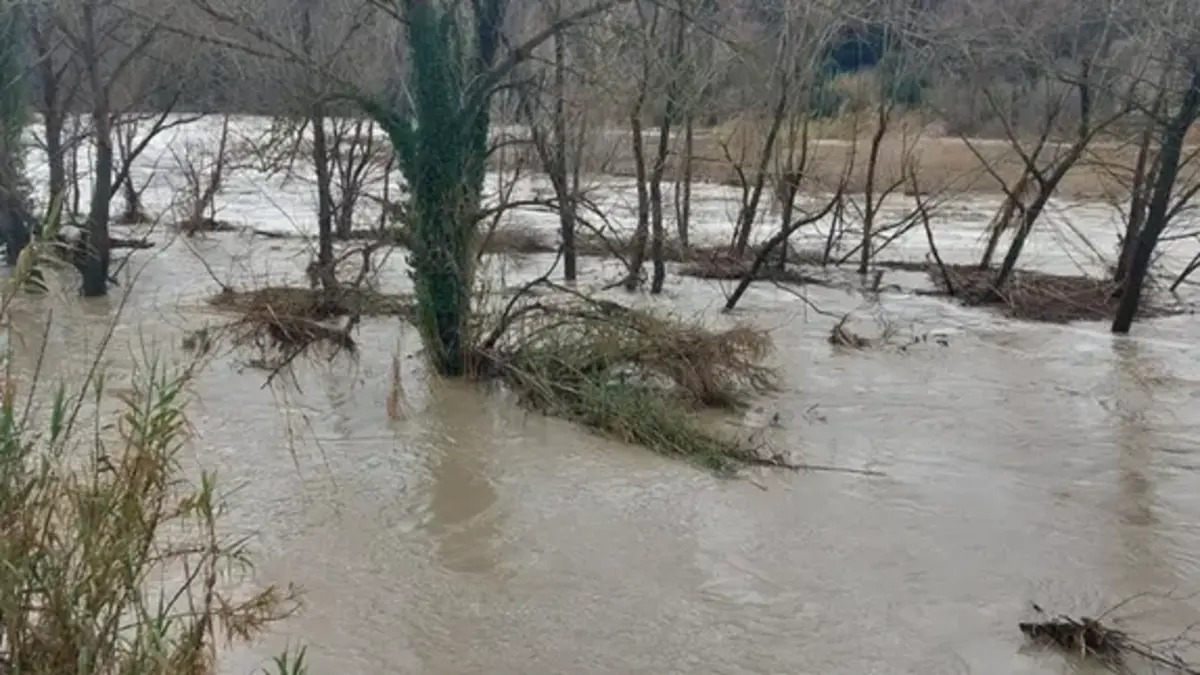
(632, 375)
(114, 553)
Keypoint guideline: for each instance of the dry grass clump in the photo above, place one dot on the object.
(313, 304)
(1083, 636)
(1033, 296)
(282, 322)
(199, 225)
(516, 240)
(728, 268)
(594, 245)
(842, 336)
(633, 376)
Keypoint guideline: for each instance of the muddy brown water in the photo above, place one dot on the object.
(1020, 463)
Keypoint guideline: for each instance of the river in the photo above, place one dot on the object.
(1018, 463)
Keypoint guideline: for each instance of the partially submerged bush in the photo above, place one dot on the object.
(111, 557)
(283, 322)
(313, 304)
(631, 375)
(113, 562)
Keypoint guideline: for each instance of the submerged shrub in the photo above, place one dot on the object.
(111, 556)
(634, 376)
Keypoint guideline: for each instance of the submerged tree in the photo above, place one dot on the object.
(13, 115)
(1162, 204)
(442, 148)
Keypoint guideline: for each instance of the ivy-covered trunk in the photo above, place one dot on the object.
(442, 150)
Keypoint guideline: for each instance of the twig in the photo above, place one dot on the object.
(924, 214)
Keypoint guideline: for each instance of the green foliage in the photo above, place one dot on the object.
(442, 149)
(289, 663)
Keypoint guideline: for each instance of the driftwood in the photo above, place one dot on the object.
(117, 242)
(1090, 638)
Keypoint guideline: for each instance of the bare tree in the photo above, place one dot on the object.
(1040, 68)
(796, 37)
(57, 87)
(316, 52)
(108, 40)
(1172, 38)
(560, 154)
(204, 169)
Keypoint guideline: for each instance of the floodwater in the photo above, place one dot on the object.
(1018, 463)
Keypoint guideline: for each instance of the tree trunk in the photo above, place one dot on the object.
(749, 210)
(1139, 190)
(683, 187)
(660, 162)
(132, 212)
(73, 174)
(787, 197)
(320, 156)
(51, 103)
(324, 272)
(566, 208)
(871, 207)
(1158, 212)
(1003, 220)
(14, 226)
(13, 102)
(97, 254)
(656, 205)
(638, 254)
(53, 130)
(1028, 218)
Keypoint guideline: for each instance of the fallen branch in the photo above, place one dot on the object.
(774, 242)
(1090, 638)
(116, 242)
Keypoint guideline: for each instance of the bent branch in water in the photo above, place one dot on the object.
(774, 242)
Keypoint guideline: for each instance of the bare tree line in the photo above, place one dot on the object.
(666, 92)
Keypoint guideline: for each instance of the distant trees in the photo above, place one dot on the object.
(14, 91)
(747, 91)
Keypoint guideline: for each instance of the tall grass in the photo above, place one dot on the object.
(112, 556)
